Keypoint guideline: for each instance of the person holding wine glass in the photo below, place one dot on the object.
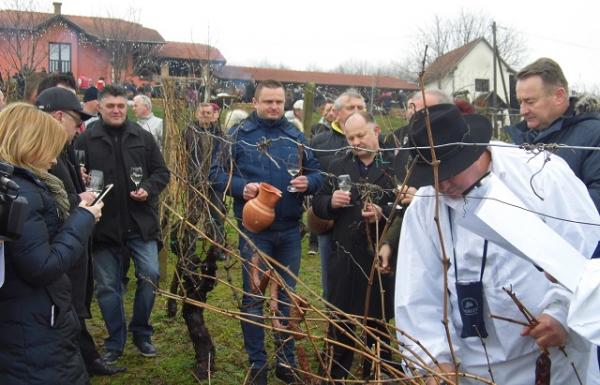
(136, 175)
(64, 107)
(62, 104)
(345, 198)
(329, 142)
(293, 168)
(282, 239)
(116, 146)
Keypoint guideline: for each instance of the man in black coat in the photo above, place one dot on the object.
(328, 142)
(114, 145)
(62, 104)
(359, 219)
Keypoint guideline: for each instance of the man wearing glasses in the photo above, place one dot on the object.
(62, 104)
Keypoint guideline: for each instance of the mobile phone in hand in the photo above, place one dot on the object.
(102, 194)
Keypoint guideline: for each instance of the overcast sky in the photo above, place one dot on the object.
(301, 34)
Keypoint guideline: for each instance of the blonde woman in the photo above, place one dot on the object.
(38, 326)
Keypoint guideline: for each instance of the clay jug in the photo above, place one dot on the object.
(259, 212)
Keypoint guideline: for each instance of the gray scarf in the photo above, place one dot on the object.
(57, 188)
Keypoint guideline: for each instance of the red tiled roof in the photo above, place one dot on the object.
(323, 78)
(97, 27)
(109, 28)
(190, 51)
(10, 19)
(447, 62)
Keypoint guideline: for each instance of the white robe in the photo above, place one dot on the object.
(419, 276)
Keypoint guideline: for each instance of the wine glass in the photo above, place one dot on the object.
(80, 157)
(96, 181)
(293, 168)
(345, 184)
(136, 174)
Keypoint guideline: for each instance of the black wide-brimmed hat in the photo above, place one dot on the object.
(448, 125)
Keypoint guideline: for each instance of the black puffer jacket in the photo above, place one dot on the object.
(81, 275)
(38, 327)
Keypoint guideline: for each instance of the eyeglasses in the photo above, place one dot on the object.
(75, 117)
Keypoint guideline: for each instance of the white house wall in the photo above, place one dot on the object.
(477, 64)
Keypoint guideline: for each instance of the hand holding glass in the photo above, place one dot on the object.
(80, 156)
(96, 181)
(345, 184)
(293, 168)
(136, 174)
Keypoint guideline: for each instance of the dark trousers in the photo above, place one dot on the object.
(87, 344)
(343, 357)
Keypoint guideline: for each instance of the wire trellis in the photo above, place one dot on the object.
(199, 230)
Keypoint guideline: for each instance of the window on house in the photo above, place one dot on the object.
(59, 55)
(482, 85)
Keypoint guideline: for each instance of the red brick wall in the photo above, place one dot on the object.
(86, 58)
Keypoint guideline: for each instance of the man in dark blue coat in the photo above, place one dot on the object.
(549, 117)
(263, 145)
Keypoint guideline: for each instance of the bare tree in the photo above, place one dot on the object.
(22, 31)
(125, 42)
(443, 35)
(355, 67)
(363, 67)
(313, 67)
(266, 63)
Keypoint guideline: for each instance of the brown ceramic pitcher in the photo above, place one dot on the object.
(259, 212)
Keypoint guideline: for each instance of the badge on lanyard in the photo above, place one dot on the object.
(470, 298)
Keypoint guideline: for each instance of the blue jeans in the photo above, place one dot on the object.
(108, 273)
(325, 251)
(284, 246)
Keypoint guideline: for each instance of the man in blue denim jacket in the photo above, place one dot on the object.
(262, 148)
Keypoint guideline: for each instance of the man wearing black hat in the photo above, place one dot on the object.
(480, 269)
(62, 104)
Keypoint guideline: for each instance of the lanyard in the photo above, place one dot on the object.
(485, 247)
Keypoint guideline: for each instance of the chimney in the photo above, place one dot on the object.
(57, 6)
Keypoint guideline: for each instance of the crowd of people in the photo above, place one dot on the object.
(439, 277)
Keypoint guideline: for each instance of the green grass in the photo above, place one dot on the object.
(175, 361)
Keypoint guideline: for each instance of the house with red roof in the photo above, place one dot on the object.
(93, 47)
(468, 71)
(118, 50)
(334, 79)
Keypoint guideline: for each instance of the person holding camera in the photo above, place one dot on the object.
(39, 328)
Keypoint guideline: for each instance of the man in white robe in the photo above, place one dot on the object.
(544, 186)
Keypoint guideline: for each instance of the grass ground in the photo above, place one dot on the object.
(173, 365)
